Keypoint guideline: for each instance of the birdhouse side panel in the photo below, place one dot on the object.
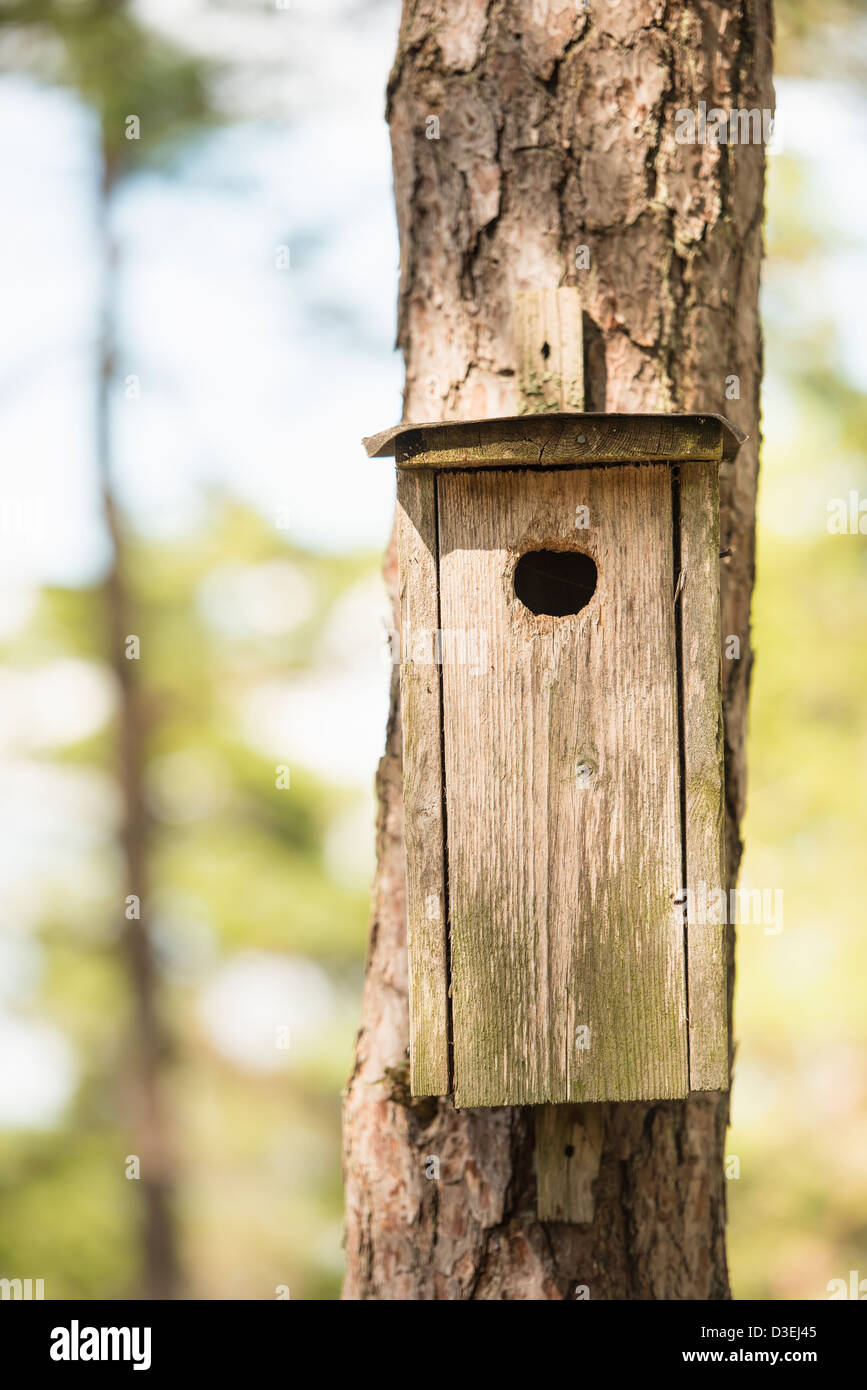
(421, 726)
(562, 790)
(704, 779)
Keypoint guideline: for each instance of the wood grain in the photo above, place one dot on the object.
(569, 1142)
(703, 776)
(558, 439)
(563, 798)
(420, 699)
(549, 347)
(549, 350)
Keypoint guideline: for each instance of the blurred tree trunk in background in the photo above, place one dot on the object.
(147, 1045)
(105, 55)
(556, 130)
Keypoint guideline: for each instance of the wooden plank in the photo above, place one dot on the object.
(551, 441)
(549, 348)
(558, 439)
(420, 699)
(704, 778)
(569, 1140)
(563, 796)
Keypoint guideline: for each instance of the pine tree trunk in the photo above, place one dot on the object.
(147, 1047)
(557, 131)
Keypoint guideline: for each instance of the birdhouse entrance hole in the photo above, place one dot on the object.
(556, 583)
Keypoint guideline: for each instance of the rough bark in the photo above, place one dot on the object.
(557, 130)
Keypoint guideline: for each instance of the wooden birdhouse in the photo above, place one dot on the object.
(562, 755)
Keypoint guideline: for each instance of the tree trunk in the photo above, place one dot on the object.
(147, 1046)
(556, 132)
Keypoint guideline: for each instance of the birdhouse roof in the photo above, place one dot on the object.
(557, 440)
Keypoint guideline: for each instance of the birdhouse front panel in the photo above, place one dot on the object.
(562, 789)
(562, 749)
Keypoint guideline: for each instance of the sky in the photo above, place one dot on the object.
(258, 379)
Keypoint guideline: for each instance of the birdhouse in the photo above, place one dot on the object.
(559, 655)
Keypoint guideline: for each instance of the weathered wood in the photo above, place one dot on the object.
(569, 1140)
(563, 797)
(558, 439)
(549, 350)
(703, 777)
(420, 699)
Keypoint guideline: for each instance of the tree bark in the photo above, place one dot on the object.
(557, 131)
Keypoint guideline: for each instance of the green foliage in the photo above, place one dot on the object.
(68, 1215)
(258, 1152)
(121, 69)
(820, 38)
(799, 1102)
